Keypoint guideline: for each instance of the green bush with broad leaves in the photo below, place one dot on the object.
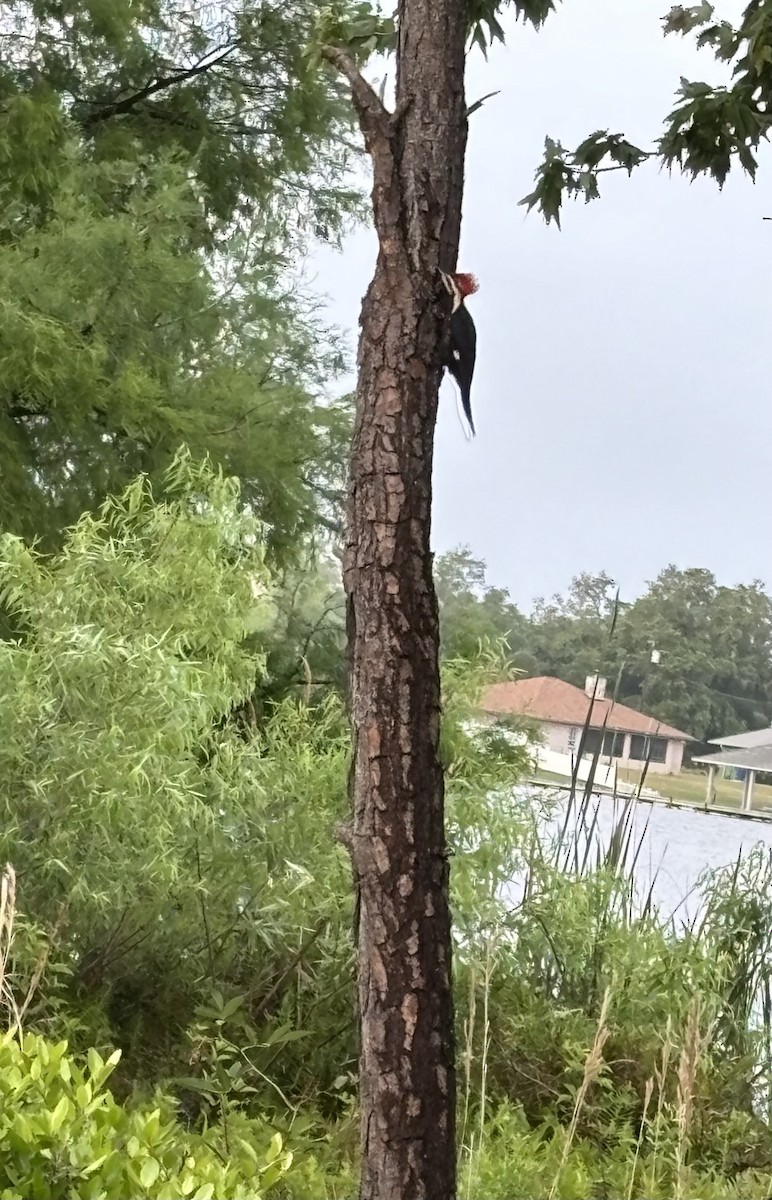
(63, 1135)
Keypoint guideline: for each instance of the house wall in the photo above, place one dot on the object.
(564, 739)
(604, 775)
(675, 756)
(557, 738)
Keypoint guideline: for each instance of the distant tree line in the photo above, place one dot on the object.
(712, 672)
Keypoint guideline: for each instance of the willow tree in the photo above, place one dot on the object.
(397, 837)
(160, 163)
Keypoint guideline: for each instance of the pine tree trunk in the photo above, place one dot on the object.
(397, 842)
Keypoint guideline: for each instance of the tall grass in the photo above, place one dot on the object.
(580, 931)
(692, 1051)
(593, 1065)
(7, 918)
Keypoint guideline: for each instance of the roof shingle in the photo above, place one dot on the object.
(546, 699)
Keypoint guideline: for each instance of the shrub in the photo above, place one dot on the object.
(62, 1134)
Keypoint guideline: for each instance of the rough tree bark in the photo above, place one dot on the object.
(397, 840)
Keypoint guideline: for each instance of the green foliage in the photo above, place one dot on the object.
(131, 651)
(683, 1016)
(306, 643)
(360, 28)
(471, 612)
(483, 768)
(714, 642)
(715, 652)
(575, 174)
(574, 635)
(715, 646)
(180, 876)
(62, 1134)
(711, 128)
(121, 342)
(182, 897)
(160, 175)
(511, 1150)
(363, 30)
(143, 823)
(170, 809)
(229, 92)
(483, 18)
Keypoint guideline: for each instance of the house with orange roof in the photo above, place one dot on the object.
(623, 735)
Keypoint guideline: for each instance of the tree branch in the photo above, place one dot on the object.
(344, 834)
(377, 126)
(479, 103)
(120, 107)
(373, 116)
(330, 525)
(620, 166)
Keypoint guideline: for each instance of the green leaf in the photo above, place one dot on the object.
(683, 19)
(59, 1114)
(149, 1173)
(95, 1063)
(232, 1006)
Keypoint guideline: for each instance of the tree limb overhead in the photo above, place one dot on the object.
(373, 116)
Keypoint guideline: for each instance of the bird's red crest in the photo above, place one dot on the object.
(467, 284)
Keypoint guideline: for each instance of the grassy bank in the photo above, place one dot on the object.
(687, 787)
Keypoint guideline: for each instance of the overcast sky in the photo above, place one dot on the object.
(622, 394)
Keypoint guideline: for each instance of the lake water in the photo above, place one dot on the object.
(679, 845)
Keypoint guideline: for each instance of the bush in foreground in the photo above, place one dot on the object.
(63, 1135)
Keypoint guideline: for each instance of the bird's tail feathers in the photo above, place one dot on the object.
(466, 404)
(463, 419)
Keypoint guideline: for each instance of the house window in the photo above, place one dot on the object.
(592, 744)
(613, 745)
(653, 749)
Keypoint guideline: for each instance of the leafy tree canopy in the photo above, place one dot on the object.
(470, 611)
(160, 172)
(227, 88)
(711, 128)
(714, 674)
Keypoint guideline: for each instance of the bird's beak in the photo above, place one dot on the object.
(446, 279)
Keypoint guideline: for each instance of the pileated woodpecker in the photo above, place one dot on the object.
(463, 337)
